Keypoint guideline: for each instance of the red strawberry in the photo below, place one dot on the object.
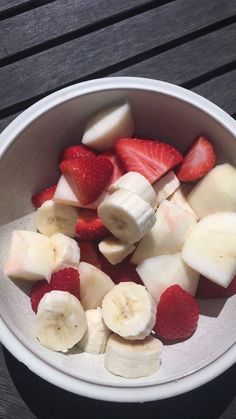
(121, 272)
(177, 314)
(89, 253)
(150, 158)
(208, 289)
(198, 161)
(37, 292)
(67, 279)
(88, 176)
(118, 168)
(89, 226)
(39, 198)
(76, 151)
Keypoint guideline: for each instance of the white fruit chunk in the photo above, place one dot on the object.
(94, 284)
(54, 218)
(160, 272)
(105, 127)
(95, 338)
(179, 198)
(211, 247)
(136, 183)
(172, 226)
(114, 249)
(64, 194)
(126, 215)
(133, 359)
(216, 192)
(129, 310)
(66, 251)
(166, 186)
(31, 256)
(60, 321)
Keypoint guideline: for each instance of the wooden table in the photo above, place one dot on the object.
(46, 45)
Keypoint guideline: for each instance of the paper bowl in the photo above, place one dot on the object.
(29, 150)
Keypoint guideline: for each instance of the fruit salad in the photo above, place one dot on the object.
(125, 242)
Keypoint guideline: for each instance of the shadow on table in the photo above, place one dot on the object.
(49, 402)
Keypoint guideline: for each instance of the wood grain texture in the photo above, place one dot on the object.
(82, 58)
(8, 4)
(54, 20)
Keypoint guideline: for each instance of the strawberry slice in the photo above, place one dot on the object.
(177, 314)
(76, 151)
(45, 195)
(87, 176)
(89, 226)
(37, 292)
(208, 289)
(121, 272)
(149, 157)
(66, 279)
(198, 161)
(118, 168)
(89, 253)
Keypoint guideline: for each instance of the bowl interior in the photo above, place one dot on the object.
(30, 163)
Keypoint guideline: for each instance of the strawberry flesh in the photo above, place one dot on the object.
(89, 253)
(37, 292)
(118, 168)
(198, 161)
(208, 289)
(66, 279)
(45, 195)
(151, 158)
(87, 176)
(121, 272)
(177, 314)
(76, 151)
(89, 226)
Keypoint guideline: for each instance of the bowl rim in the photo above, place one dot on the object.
(7, 337)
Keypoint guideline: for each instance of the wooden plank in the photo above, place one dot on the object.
(190, 60)
(220, 90)
(8, 4)
(57, 19)
(87, 56)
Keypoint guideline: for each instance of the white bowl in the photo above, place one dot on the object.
(29, 150)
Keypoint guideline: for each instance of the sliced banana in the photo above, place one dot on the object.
(126, 215)
(136, 183)
(133, 359)
(129, 310)
(60, 321)
(30, 257)
(54, 218)
(166, 186)
(66, 251)
(114, 249)
(106, 126)
(97, 333)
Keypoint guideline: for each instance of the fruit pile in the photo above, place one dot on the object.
(130, 234)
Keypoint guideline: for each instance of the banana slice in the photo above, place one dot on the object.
(31, 256)
(133, 359)
(66, 251)
(166, 186)
(136, 183)
(114, 249)
(54, 218)
(129, 310)
(126, 215)
(60, 321)
(97, 333)
(106, 126)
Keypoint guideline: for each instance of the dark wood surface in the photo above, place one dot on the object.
(46, 45)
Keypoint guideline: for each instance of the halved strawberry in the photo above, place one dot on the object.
(121, 272)
(89, 226)
(45, 195)
(76, 151)
(198, 161)
(208, 289)
(66, 279)
(87, 176)
(37, 292)
(177, 314)
(118, 168)
(89, 253)
(149, 157)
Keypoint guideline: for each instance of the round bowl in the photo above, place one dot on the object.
(29, 150)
